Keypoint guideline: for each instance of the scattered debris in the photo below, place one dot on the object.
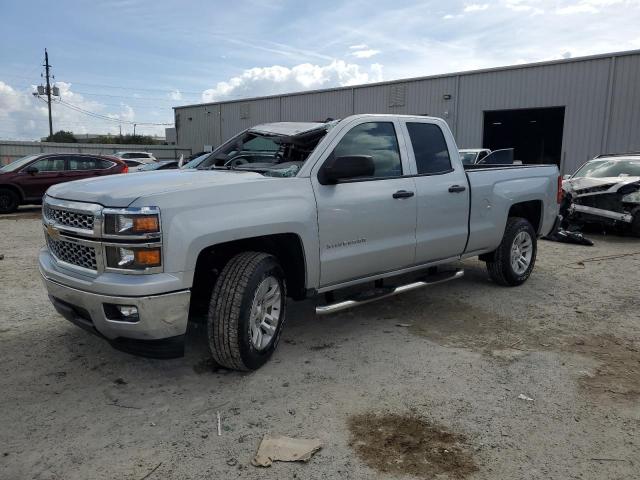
(522, 396)
(406, 325)
(120, 381)
(219, 424)
(409, 445)
(565, 236)
(232, 462)
(153, 470)
(1, 256)
(285, 449)
(598, 259)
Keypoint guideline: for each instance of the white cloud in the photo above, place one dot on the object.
(25, 117)
(578, 8)
(365, 53)
(476, 7)
(360, 46)
(277, 79)
(175, 95)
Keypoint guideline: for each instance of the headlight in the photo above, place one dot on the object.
(132, 222)
(133, 240)
(133, 258)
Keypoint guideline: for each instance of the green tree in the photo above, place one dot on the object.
(62, 136)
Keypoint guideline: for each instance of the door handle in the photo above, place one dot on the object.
(457, 188)
(403, 194)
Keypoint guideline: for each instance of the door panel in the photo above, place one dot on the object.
(50, 172)
(363, 229)
(442, 194)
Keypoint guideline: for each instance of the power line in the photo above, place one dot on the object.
(107, 118)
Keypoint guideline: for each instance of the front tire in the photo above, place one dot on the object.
(9, 200)
(247, 311)
(512, 262)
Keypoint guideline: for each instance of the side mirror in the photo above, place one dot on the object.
(346, 167)
(31, 170)
(566, 177)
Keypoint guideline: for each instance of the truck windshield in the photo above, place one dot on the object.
(271, 155)
(17, 164)
(609, 168)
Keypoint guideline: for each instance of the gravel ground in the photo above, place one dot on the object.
(456, 356)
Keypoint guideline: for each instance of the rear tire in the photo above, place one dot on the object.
(9, 200)
(512, 262)
(247, 311)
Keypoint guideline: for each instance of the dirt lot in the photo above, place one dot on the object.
(426, 384)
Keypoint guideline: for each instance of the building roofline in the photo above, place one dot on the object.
(418, 79)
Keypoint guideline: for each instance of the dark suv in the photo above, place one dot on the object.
(25, 180)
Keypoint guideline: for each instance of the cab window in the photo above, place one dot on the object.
(50, 164)
(375, 139)
(429, 148)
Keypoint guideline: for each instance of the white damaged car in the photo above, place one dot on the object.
(606, 191)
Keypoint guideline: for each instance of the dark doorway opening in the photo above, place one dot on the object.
(534, 133)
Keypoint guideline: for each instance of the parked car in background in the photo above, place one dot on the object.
(606, 191)
(25, 180)
(142, 157)
(162, 165)
(286, 209)
(133, 164)
(471, 156)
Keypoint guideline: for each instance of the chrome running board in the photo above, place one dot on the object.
(356, 302)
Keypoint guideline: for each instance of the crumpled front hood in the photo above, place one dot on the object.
(583, 183)
(122, 190)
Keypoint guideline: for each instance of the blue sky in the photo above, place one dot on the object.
(132, 60)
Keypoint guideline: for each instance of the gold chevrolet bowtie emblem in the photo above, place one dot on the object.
(53, 232)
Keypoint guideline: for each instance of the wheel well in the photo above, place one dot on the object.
(531, 210)
(13, 189)
(286, 247)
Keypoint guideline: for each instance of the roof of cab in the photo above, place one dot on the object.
(287, 129)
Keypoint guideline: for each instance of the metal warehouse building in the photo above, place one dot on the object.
(562, 112)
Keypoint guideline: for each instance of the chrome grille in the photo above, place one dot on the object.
(73, 253)
(68, 218)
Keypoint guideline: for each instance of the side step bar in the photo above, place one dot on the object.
(431, 280)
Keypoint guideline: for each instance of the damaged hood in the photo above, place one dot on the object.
(592, 186)
(122, 190)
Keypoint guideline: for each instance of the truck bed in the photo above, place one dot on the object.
(495, 188)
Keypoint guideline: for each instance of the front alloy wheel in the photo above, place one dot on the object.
(247, 311)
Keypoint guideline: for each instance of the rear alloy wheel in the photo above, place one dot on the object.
(9, 200)
(247, 311)
(512, 262)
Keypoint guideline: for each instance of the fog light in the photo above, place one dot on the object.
(121, 313)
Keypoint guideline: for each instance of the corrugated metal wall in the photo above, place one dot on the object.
(601, 96)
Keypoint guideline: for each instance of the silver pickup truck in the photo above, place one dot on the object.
(342, 211)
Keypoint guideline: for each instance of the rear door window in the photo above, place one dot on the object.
(88, 163)
(429, 148)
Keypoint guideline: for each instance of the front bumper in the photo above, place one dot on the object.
(162, 320)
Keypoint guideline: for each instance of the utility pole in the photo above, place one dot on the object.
(47, 66)
(134, 129)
